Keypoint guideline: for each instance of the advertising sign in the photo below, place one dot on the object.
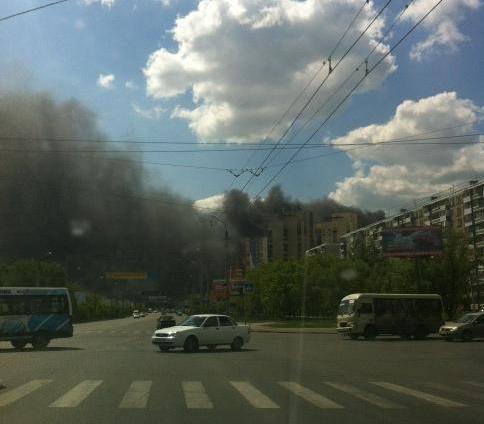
(412, 242)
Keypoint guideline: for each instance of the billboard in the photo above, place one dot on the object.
(412, 242)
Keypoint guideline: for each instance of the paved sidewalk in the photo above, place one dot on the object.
(264, 327)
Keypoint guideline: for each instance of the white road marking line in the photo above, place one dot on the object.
(309, 395)
(137, 395)
(76, 395)
(253, 395)
(360, 394)
(437, 400)
(474, 383)
(458, 391)
(195, 395)
(21, 391)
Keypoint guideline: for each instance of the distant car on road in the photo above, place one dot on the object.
(142, 314)
(202, 330)
(179, 313)
(165, 321)
(467, 327)
(136, 314)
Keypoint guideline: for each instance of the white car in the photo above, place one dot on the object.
(136, 314)
(202, 330)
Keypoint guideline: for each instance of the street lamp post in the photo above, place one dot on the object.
(474, 245)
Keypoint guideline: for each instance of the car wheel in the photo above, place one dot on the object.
(353, 336)
(466, 336)
(370, 332)
(18, 344)
(164, 348)
(237, 344)
(40, 341)
(191, 344)
(212, 347)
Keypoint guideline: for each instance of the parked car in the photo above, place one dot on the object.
(467, 327)
(202, 330)
(142, 314)
(165, 321)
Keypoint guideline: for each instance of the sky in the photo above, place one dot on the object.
(209, 71)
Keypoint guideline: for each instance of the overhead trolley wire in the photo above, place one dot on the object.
(5, 18)
(370, 70)
(318, 88)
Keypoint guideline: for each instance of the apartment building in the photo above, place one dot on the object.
(460, 208)
(331, 230)
(285, 237)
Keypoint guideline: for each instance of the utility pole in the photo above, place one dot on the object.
(226, 259)
(474, 245)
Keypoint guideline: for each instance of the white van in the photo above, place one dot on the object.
(406, 315)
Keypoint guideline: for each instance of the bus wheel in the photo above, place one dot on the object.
(370, 332)
(353, 336)
(18, 344)
(40, 341)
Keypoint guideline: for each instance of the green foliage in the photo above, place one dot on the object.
(315, 286)
(29, 272)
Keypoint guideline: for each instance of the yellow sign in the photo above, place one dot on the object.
(126, 275)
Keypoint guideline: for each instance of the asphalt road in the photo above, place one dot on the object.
(110, 373)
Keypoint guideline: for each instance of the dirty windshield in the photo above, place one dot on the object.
(263, 211)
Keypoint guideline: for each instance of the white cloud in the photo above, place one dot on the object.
(444, 35)
(245, 60)
(165, 3)
(398, 174)
(105, 3)
(106, 81)
(130, 85)
(155, 112)
(213, 202)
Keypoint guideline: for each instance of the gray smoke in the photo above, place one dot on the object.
(93, 213)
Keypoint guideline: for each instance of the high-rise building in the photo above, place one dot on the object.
(460, 208)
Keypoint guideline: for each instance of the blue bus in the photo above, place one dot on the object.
(34, 315)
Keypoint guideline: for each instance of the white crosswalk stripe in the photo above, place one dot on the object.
(456, 390)
(437, 400)
(474, 383)
(137, 395)
(360, 394)
(21, 391)
(310, 396)
(253, 395)
(76, 395)
(195, 395)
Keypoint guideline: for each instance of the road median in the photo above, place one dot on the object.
(273, 327)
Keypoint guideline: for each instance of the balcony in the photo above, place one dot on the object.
(479, 231)
(467, 211)
(467, 199)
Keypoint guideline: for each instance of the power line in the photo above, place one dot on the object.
(32, 10)
(351, 92)
(364, 63)
(299, 146)
(331, 70)
(388, 143)
(123, 196)
(283, 116)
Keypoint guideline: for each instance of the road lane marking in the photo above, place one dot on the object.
(253, 395)
(458, 391)
(137, 395)
(76, 395)
(360, 394)
(195, 395)
(474, 383)
(309, 395)
(437, 400)
(21, 391)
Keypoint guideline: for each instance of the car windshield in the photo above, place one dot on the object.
(467, 318)
(193, 321)
(346, 307)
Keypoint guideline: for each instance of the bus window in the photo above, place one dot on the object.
(366, 308)
(48, 304)
(12, 305)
